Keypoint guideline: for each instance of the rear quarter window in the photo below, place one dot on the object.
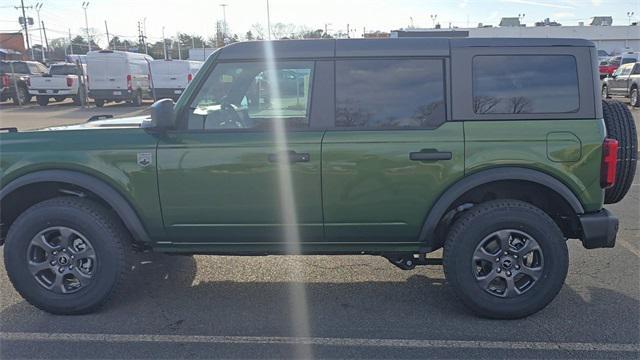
(525, 84)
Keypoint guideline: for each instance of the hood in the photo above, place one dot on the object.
(101, 123)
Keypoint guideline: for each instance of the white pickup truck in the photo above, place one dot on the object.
(61, 82)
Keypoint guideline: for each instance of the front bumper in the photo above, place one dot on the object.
(599, 230)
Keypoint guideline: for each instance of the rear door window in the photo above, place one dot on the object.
(390, 93)
(525, 84)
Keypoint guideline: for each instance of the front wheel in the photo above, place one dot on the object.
(634, 98)
(505, 259)
(21, 96)
(605, 92)
(66, 255)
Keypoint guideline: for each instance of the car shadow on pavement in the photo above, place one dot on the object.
(164, 297)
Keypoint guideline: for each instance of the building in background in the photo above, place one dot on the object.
(612, 39)
(12, 46)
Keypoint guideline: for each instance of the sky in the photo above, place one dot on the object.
(199, 16)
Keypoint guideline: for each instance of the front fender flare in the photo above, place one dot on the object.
(107, 193)
(438, 210)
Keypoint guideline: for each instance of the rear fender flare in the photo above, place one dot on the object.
(439, 209)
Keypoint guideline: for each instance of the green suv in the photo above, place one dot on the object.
(497, 150)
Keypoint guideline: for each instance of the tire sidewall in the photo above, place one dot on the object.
(108, 264)
(554, 251)
(635, 103)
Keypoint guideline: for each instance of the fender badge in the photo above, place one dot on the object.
(145, 159)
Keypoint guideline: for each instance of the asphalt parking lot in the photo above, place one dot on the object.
(356, 307)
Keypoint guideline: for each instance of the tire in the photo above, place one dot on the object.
(42, 100)
(99, 103)
(59, 98)
(605, 92)
(634, 97)
(137, 99)
(90, 224)
(621, 126)
(21, 96)
(475, 228)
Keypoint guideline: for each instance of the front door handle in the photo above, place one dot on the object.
(430, 155)
(289, 156)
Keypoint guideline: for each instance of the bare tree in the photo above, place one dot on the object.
(258, 30)
(484, 104)
(520, 105)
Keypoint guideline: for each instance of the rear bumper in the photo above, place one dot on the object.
(167, 93)
(111, 94)
(64, 92)
(599, 230)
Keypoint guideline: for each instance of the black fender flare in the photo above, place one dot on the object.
(438, 210)
(106, 192)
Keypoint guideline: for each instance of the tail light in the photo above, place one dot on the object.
(129, 82)
(609, 168)
(189, 78)
(69, 81)
(6, 82)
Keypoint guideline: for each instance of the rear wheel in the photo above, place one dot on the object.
(42, 100)
(505, 259)
(66, 255)
(60, 98)
(137, 99)
(21, 96)
(621, 126)
(99, 103)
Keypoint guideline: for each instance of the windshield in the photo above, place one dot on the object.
(64, 70)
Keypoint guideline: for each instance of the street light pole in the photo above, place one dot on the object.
(38, 7)
(630, 15)
(224, 20)
(268, 20)
(85, 5)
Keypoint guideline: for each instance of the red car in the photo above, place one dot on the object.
(608, 67)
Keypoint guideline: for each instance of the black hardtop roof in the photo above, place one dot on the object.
(329, 48)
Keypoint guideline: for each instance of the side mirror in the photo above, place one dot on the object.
(163, 115)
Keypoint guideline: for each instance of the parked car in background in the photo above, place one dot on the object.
(118, 76)
(603, 55)
(62, 81)
(609, 66)
(169, 78)
(15, 76)
(624, 82)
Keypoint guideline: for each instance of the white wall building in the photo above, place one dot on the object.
(612, 39)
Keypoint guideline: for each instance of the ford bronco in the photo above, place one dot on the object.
(497, 150)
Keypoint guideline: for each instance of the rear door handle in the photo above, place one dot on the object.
(289, 156)
(430, 155)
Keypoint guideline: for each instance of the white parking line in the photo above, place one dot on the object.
(275, 340)
(629, 247)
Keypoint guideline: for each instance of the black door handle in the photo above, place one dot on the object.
(289, 156)
(430, 155)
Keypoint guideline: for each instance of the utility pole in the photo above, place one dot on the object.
(179, 47)
(70, 42)
(38, 7)
(106, 28)
(164, 44)
(141, 37)
(85, 5)
(25, 23)
(268, 20)
(44, 31)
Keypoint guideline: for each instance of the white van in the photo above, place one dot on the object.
(169, 78)
(118, 76)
